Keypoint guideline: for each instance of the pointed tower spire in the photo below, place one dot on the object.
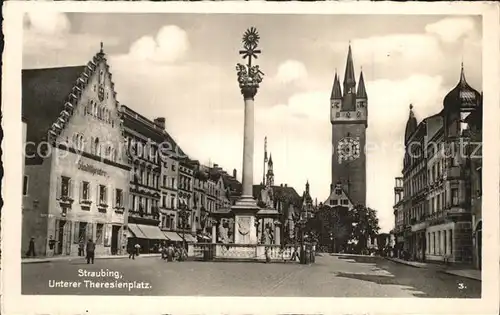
(463, 81)
(349, 77)
(361, 86)
(265, 161)
(270, 173)
(336, 91)
(307, 186)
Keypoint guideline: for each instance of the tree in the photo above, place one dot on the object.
(332, 226)
(364, 225)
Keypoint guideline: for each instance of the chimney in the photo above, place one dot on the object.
(234, 173)
(281, 185)
(160, 122)
(216, 165)
(286, 185)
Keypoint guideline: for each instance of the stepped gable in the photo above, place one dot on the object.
(49, 96)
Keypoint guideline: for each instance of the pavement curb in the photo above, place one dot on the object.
(438, 269)
(450, 272)
(404, 263)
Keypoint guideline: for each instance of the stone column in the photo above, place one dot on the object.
(249, 78)
(248, 146)
(214, 233)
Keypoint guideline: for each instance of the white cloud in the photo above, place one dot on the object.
(170, 45)
(47, 22)
(290, 71)
(393, 51)
(452, 29)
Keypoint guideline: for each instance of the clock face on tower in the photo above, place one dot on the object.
(348, 149)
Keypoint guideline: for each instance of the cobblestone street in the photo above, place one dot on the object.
(330, 276)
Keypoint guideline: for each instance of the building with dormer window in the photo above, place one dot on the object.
(76, 171)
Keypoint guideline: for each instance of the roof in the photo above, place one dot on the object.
(336, 90)
(462, 96)
(411, 124)
(44, 93)
(232, 183)
(280, 193)
(361, 87)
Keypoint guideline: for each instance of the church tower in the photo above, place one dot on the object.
(270, 173)
(349, 118)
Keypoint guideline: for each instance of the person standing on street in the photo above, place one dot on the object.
(81, 248)
(90, 251)
(31, 248)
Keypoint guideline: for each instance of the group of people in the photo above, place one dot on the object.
(171, 253)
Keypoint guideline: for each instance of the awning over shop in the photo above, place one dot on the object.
(136, 231)
(189, 238)
(152, 232)
(174, 237)
(204, 237)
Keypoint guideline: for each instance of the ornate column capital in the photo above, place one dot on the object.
(249, 78)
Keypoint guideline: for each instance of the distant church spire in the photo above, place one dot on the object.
(270, 172)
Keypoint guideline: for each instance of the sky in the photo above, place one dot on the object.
(182, 67)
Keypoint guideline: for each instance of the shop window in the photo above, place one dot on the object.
(82, 231)
(445, 249)
(98, 233)
(433, 243)
(451, 241)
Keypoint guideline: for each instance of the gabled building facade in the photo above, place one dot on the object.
(76, 172)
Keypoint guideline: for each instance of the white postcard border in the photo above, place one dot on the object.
(14, 303)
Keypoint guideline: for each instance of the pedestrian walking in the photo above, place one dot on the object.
(163, 251)
(31, 248)
(295, 254)
(170, 253)
(81, 248)
(90, 251)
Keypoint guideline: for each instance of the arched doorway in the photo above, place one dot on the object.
(479, 241)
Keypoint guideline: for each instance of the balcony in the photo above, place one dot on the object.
(85, 203)
(66, 201)
(119, 208)
(142, 217)
(102, 206)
